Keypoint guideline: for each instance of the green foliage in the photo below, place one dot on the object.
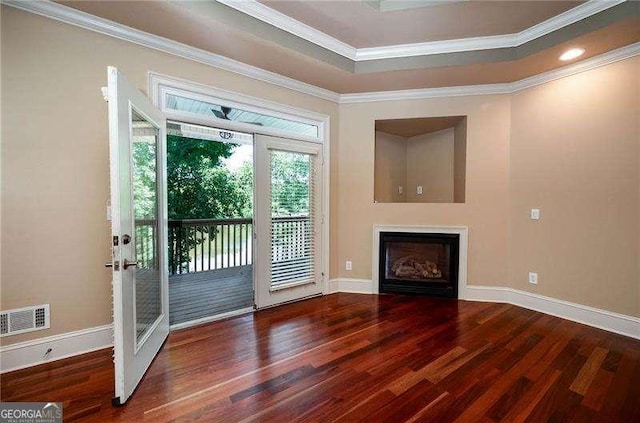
(290, 176)
(144, 179)
(198, 187)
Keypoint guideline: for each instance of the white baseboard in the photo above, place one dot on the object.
(354, 286)
(602, 319)
(31, 353)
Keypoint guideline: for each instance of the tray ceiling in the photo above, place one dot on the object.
(217, 28)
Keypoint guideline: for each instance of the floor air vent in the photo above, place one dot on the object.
(27, 319)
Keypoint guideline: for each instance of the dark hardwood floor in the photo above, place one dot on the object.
(349, 357)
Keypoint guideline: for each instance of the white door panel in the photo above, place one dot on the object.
(288, 220)
(137, 139)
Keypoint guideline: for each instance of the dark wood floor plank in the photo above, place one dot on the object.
(588, 372)
(349, 358)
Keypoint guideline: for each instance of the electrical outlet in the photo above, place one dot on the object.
(533, 278)
(419, 190)
(535, 214)
(400, 190)
(349, 265)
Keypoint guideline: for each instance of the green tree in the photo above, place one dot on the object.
(200, 187)
(290, 179)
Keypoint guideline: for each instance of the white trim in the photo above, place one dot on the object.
(286, 23)
(567, 18)
(435, 47)
(280, 20)
(210, 319)
(604, 59)
(355, 286)
(104, 26)
(462, 231)
(31, 353)
(602, 319)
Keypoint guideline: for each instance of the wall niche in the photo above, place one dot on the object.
(420, 160)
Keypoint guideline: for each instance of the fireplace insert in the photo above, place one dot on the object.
(419, 263)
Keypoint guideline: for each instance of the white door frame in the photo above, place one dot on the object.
(160, 84)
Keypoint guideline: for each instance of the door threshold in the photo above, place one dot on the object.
(209, 319)
(308, 297)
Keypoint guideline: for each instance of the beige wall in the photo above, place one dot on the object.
(485, 210)
(460, 161)
(55, 170)
(427, 160)
(430, 165)
(574, 154)
(390, 168)
(570, 147)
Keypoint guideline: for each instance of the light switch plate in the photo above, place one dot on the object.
(400, 190)
(348, 265)
(419, 190)
(533, 278)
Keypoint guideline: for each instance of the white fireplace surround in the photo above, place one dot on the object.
(462, 262)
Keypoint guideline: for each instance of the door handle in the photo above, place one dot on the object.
(128, 264)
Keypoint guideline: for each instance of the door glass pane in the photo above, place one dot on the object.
(292, 219)
(147, 285)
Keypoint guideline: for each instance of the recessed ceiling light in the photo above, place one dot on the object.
(572, 54)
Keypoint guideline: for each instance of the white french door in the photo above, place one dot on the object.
(137, 140)
(288, 220)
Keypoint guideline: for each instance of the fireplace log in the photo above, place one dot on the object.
(409, 267)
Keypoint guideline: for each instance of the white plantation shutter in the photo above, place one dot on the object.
(294, 234)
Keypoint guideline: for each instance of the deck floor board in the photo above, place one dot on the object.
(198, 295)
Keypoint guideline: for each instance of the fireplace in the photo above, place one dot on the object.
(419, 263)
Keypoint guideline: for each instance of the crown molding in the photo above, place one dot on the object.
(571, 16)
(506, 88)
(279, 20)
(113, 29)
(435, 47)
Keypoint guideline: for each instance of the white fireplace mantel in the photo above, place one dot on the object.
(462, 263)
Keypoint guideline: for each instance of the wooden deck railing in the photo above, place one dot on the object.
(198, 245)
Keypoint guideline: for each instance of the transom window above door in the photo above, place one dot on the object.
(195, 103)
(222, 112)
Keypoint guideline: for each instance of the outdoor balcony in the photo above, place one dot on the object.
(210, 262)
